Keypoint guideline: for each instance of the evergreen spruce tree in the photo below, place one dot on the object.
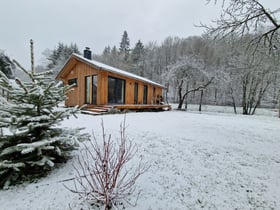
(106, 51)
(138, 58)
(59, 56)
(124, 46)
(114, 56)
(138, 52)
(106, 55)
(32, 143)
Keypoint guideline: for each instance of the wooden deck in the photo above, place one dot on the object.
(143, 107)
(103, 109)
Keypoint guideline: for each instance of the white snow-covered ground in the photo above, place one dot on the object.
(197, 161)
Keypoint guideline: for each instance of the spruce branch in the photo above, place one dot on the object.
(35, 140)
(18, 81)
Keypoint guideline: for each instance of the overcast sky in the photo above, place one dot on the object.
(98, 23)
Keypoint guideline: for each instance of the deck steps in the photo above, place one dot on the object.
(103, 109)
(96, 110)
(90, 112)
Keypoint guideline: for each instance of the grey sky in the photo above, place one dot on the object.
(98, 23)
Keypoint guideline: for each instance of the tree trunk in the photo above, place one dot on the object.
(233, 100)
(234, 107)
(255, 98)
(180, 104)
(279, 110)
(258, 103)
(186, 98)
(275, 91)
(200, 102)
(279, 104)
(216, 92)
(166, 93)
(244, 98)
(181, 98)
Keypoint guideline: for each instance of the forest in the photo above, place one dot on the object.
(183, 65)
(232, 75)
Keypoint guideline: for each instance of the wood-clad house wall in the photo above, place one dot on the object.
(77, 96)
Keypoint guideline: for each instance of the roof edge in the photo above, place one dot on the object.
(108, 68)
(61, 69)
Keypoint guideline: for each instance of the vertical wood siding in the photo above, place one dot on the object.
(81, 70)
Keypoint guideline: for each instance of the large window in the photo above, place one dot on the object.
(145, 95)
(87, 89)
(135, 93)
(116, 90)
(94, 89)
(91, 89)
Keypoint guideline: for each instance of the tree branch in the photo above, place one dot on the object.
(244, 16)
(201, 87)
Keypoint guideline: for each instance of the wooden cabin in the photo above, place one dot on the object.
(98, 84)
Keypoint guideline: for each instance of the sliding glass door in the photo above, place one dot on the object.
(91, 89)
(116, 90)
(135, 93)
(145, 94)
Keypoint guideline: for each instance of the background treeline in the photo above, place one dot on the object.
(197, 69)
(234, 73)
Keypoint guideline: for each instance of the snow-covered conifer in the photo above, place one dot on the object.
(32, 143)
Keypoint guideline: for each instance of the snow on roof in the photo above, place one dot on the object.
(115, 70)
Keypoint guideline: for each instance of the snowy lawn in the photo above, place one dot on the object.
(197, 161)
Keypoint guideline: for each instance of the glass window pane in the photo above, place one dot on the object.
(135, 93)
(116, 90)
(87, 89)
(94, 89)
(145, 95)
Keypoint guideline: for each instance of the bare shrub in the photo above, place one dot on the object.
(102, 175)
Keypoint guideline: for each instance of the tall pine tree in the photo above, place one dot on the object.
(59, 56)
(124, 46)
(138, 52)
(138, 58)
(32, 143)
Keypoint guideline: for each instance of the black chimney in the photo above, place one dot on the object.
(87, 53)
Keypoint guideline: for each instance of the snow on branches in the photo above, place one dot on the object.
(31, 142)
(102, 172)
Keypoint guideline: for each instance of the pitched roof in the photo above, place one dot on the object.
(105, 67)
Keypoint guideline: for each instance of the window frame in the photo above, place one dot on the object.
(73, 81)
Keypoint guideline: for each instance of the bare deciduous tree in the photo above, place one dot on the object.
(102, 175)
(182, 96)
(253, 21)
(189, 71)
(254, 85)
(248, 79)
(247, 16)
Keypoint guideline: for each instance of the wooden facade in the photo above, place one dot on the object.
(100, 84)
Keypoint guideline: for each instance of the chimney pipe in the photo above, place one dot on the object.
(87, 53)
